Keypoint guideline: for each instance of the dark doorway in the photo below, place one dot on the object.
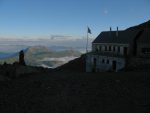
(118, 49)
(94, 65)
(114, 65)
(125, 51)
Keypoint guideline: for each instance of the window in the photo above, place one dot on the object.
(125, 51)
(96, 49)
(107, 61)
(103, 61)
(113, 48)
(100, 48)
(94, 61)
(109, 48)
(105, 48)
(118, 49)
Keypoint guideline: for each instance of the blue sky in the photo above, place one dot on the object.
(69, 17)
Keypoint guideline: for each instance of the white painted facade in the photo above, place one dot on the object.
(106, 57)
(103, 63)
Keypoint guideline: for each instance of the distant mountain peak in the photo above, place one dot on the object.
(35, 49)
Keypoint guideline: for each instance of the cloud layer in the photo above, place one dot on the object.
(16, 44)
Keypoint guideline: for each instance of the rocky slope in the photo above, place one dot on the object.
(63, 92)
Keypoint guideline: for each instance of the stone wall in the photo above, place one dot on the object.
(138, 64)
(139, 50)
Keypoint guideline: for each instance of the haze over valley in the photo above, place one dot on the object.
(42, 56)
(64, 48)
(10, 45)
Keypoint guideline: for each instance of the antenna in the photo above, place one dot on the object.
(117, 32)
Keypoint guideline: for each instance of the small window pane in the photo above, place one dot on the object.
(118, 49)
(107, 61)
(103, 61)
(113, 48)
(109, 48)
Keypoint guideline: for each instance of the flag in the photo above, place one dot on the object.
(89, 31)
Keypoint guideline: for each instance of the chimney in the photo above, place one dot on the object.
(117, 32)
(110, 32)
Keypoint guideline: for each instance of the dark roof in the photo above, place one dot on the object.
(141, 26)
(124, 37)
(145, 36)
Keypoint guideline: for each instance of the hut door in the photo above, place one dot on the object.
(94, 65)
(114, 65)
(125, 51)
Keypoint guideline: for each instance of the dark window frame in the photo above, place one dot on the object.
(103, 61)
(100, 48)
(105, 48)
(109, 48)
(118, 49)
(107, 61)
(96, 49)
(114, 48)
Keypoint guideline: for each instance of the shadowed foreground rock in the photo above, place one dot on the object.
(76, 65)
(60, 92)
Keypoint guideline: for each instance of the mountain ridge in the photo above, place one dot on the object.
(34, 56)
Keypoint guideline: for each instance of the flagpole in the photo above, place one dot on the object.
(87, 41)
